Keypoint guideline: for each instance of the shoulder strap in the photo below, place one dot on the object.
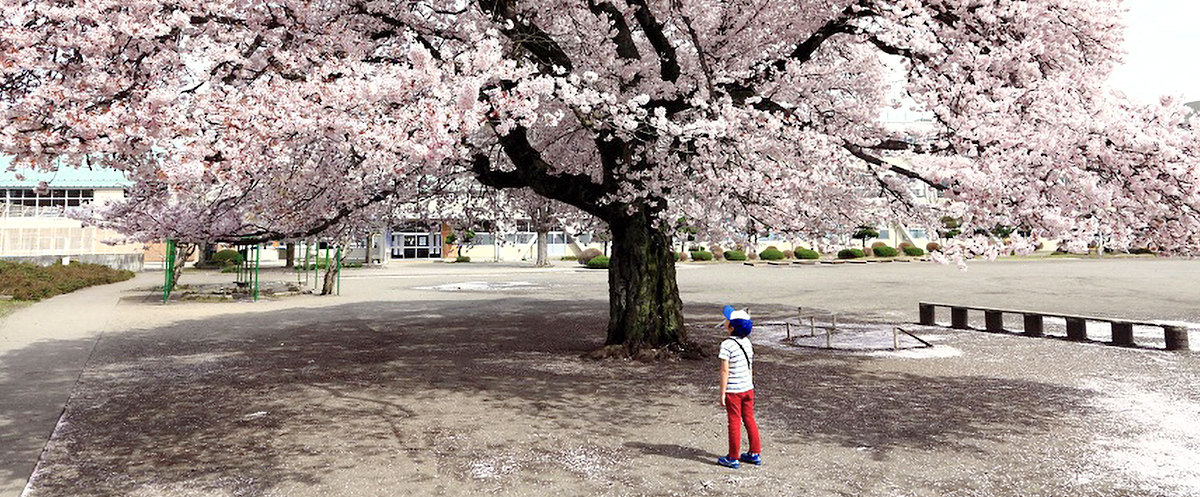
(749, 361)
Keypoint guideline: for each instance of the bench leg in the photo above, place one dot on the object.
(994, 321)
(927, 314)
(1177, 337)
(1033, 325)
(1076, 329)
(1122, 334)
(958, 318)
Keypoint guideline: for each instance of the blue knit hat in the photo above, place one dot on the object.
(739, 320)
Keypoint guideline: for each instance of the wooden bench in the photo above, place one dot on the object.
(1176, 335)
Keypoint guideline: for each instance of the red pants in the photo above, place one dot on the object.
(740, 407)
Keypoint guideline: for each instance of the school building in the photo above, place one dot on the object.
(34, 222)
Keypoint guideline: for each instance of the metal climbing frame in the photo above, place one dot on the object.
(248, 274)
(329, 257)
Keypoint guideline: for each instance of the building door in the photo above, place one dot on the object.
(416, 245)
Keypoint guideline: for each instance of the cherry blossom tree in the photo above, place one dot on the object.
(637, 112)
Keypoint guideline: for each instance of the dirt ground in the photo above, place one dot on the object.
(434, 379)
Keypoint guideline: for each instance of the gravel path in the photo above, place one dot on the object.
(433, 379)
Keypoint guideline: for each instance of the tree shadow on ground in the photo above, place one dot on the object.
(216, 403)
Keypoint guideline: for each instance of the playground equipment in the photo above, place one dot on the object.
(313, 254)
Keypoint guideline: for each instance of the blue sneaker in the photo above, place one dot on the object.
(749, 458)
(729, 463)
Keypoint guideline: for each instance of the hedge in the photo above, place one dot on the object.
(598, 262)
(588, 254)
(803, 253)
(884, 251)
(702, 255)
(850, 253)
(913, 251)
(771, 254)
(735, 255)
(25, 281)
(227, 257)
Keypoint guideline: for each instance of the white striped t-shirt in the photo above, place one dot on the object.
(739, 367)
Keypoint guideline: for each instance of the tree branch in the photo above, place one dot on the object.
(526, 35)
(623, 38)
(668, 63)
(858, 151)
(532, 171)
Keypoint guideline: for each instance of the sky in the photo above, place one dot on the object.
(1162, 42)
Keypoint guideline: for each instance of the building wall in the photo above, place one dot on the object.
(37, 234)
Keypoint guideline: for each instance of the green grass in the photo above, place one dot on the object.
(31, 282)
(10, 306)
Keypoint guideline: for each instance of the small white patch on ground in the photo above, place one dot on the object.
(935, 352)
(1154, 441)
(480, 286)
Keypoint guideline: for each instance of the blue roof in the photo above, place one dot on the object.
(64, 177)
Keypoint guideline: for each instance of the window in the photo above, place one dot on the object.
(917, 232)
(484, 238)
(26, 202)
(884, 234)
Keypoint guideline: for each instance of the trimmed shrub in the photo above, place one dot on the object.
(462, 258)
(735, 255)
(702, 255)
(885, 251)
(868, 252)
(718, 253)
(25, 281)
(1141, 251)
(771, 254)
(569, 258)
(227, 257)
(913, 251)
(933, 247)
(879, 244)
(598, 262)
(850, 253)
(904, 245)
(589, 254)
(803, 253)
(680, 256)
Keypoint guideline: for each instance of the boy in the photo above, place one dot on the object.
(737, 388)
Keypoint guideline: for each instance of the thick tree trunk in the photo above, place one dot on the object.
(644, 306)
(290, 256)
(543, 258)
(183, 251)
(329, 282)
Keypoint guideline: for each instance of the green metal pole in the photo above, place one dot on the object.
(168, 270)
(257, 261)
(339, 270)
